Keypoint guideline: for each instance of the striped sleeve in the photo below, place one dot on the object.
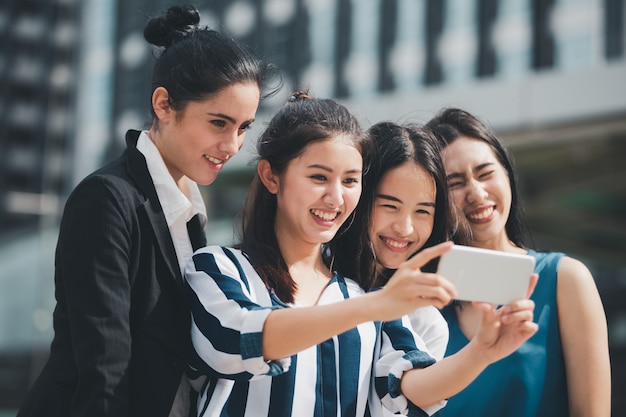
(401, 350)
(432, 328)
(229, 304)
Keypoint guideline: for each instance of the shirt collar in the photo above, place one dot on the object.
(174, 203)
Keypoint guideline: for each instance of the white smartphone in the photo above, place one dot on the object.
(487, 275)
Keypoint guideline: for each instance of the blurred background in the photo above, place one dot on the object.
(548, 75)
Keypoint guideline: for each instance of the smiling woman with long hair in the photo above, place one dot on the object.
(563, 370)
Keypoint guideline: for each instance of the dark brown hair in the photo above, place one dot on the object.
(300, 122)
(450, 124)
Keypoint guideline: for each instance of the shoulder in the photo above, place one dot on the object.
(110, 181)
(125, 175)
(353, 287)
(574, 275)
(214, 259)
(224, 253)
(567, 276)
(219, 254)
(216, 250)
(546, 260)
(102, 198)
(578, 298)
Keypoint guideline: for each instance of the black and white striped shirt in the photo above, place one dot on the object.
(351, 374)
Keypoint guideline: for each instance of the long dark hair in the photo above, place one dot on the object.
(450, 124)
(396, 144)
(300, 122)
(197, 62)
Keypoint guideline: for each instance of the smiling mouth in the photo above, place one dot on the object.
(482, 214)
(325, 215)
(395, 243)
(214, 160)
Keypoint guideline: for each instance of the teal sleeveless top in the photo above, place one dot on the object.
(530, 382)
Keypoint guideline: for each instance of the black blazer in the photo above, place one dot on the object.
(121, 321)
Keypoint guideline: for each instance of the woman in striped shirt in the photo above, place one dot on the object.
(279, 331)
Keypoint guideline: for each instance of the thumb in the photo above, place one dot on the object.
(428, 254)
(532, 283)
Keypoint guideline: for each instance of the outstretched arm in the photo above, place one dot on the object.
(239, 333)
(288, 331)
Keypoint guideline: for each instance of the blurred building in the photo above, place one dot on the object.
(549, 76)
(39, 53)
(38, 56)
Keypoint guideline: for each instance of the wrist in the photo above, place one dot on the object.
(477, 354)
(367, 308)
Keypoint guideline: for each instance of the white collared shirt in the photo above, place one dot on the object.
(178, 210)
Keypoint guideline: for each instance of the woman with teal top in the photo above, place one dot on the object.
(563, 370)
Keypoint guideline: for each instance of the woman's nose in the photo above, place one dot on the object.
(475, 192)
(231, 143)
(403, 226)
(334, 195)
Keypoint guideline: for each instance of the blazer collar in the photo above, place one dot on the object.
(138, 171)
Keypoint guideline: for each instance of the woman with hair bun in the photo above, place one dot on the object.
(121, 321)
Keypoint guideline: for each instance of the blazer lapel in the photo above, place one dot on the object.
(138, 171)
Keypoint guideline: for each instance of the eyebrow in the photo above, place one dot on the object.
(477, 168)
(388, 197)
(454, 175)
(397, 200)
(329, 169)
(227, 117)
(482, 166)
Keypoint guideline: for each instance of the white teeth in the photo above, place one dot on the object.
(396, 244)
(325, 215)
(482, 215)
(214, 160)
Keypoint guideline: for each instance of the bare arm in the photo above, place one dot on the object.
(288, 331)
(584, 339)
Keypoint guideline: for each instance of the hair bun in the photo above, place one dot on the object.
(175, 25)
(299, 96)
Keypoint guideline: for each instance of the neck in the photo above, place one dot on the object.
(298, 256)
(501, 243)
(181, 180)
(381, 277)
(183, 185)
